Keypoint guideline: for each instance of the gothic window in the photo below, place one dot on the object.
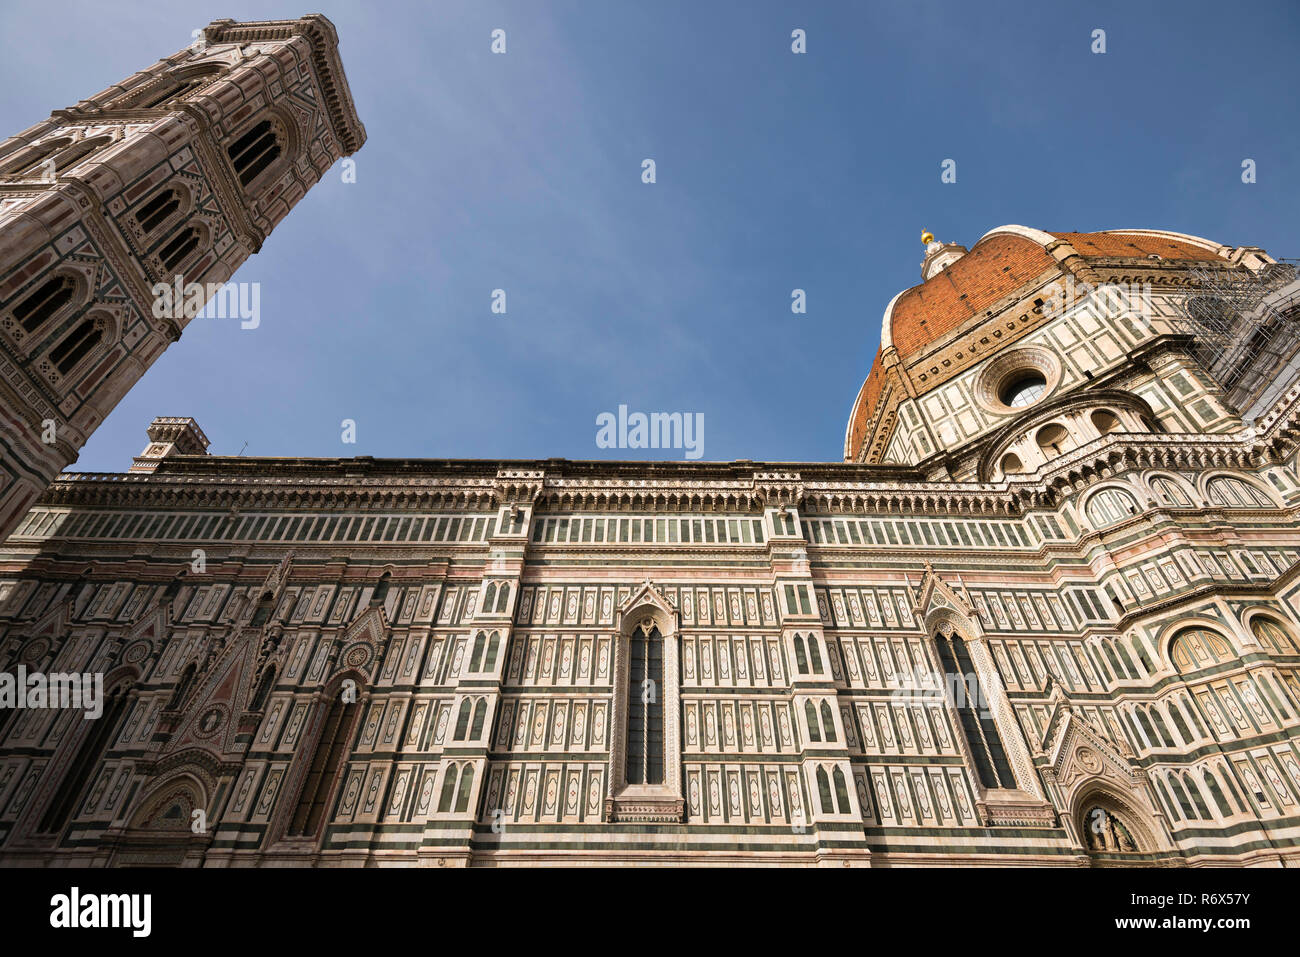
(70, 156)
(74, 347)
(1110, 505)
(1201, 809)
(814, 654)
(493, 644)
(1272, 635)
(977, 722)
(448, 788)
(98, 737)
(44, 302)
(462, 720)
(489, 597)
(645, 712)
(841, 791)
(801, 659)
(1212, 785)
(323, 770)
(255, 150)
(1195, 648)
(28, 160)
(462, 793)
(476, 657)
(828, 722)
(1176, 713)
(1142, 656)
(824, 792)
(1114, 662)
(480, 713)
(1163, 728)
(179, 249)
(1170, 491)
(503, 598)
(810, 715)
(1233, 492)
(1184, 802)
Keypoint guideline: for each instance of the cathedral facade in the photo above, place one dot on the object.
(1045, 612)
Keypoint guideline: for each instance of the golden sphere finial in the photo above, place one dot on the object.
(927, 237)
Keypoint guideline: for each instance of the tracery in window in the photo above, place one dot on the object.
(645, 712)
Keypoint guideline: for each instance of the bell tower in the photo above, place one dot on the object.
(162, 184)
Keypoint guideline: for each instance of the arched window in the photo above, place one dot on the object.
(1105, 422)
(263, 690)
(977, 722)
(1011, 464)
(1181, 725)
(1163, 728)
(1170, 491)
(448, 788)
(152, 214)
(1195, 648)
(1212, 785)
(98, 738)
(1114, 661)
(1273, 636)
(476, 657)
(1184, 802)
(800, 658)
(170, 88)
(43, 302)
(828, 722)
(645, 709)
(489, 596)
(462, 720)
(1145, 723)
(27, 160)
(76, 344)
(814, 653)
(71, 155)
(814, 728)
(1110, 505)
(254, 151)
(179, 248)
(1129, 669)
(1053, 439)
(1232, 492)
(493, 644)
(503, 599)
(824, 792)
(323, 771)
(462, 793)
(480, 714)
(380, 594)
(1140, 650)
(841, 792)
(182, 687)
(1202, 811)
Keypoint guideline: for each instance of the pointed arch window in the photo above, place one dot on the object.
(77, 344)
(476, 657)
(158, 210)
(43, 302)
(1212, 785)
(814, 654)
(480, 714)
(326, 760)
(1272, 635)
(963, 685)
(179, 248)
(824, 792)
(27, 160)
(503, 599)
(462, 720)
(800, 658)
(255, 150)
(828, 722)
(645, 710)
(1170, 491)
(263, 690)
(810, 715)
(263, 612)
(494, 643)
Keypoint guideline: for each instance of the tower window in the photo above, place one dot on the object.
(324, 768)
(74, 348)
(49, 298)
(155, 212)
(179, 248)
(1023, 389)
(981, 730)
(254, 151)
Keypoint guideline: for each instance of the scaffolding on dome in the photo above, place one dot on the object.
(1246, 327)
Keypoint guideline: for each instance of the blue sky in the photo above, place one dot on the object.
(775, 171)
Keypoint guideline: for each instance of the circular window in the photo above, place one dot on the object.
(1023, 389)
